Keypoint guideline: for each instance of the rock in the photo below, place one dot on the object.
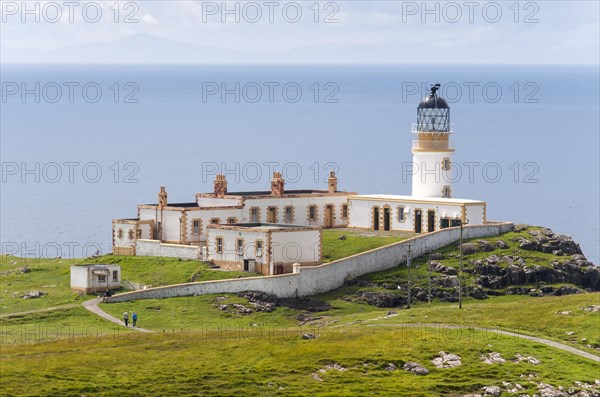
(549, 391)
(342, 237)
(493, 358)
(24, 270)
(528, 359)
(492, 390)
(415, 368)
(264, 307)
(223, 307)
(308, 304)
(437, 256)
(391, 367)
(501, 244)
(308, 336)
(520, 228)
(591, 309)
(259, 296)
(469, 248)
(445, 360)
(438, 267)
(391, 313)
(565, 313)
(334, 366)
(570, 333)
(316, 377)
(477, 293)
(241, 309)
(380, 299)
(34, 295)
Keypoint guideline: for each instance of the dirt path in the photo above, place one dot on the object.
(546, 342)
(47, 309)
(92, 305)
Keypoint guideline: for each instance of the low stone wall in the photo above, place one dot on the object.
(156, 248)
(320, 279)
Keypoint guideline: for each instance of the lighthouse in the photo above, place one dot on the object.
(432, 149)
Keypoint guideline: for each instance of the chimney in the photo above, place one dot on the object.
(220, 185)
(277, 184)
(332, 182)
(162, 197)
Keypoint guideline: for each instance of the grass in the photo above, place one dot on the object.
(200, 349)
(355, 242)
(52, 276)
(192, 364)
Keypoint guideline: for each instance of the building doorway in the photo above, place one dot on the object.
(375, 218)
(418, 220)
(278, 269)
(430, 220)
(246, 265)
(329, 216)
(386, 218)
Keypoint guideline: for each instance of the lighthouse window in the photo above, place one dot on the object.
(401, 217)
(446, 192)
(344, 211)
(446, 164)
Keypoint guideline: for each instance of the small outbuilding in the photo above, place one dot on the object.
(90, 278)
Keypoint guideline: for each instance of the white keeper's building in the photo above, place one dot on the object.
(260, 230)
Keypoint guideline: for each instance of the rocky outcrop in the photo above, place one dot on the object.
(446, 360)
(545, 240)
(415, 368)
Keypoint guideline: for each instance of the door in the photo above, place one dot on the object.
(418, 220)
(246, 265)
(329, 216)
(375, 218)
(386, 219)
(430, 220)
(278, 269)
(272, 215)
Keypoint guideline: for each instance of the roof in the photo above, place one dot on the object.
(433, 101)
(412, 199)
(184, 205)
(268, 192)
(261, 225)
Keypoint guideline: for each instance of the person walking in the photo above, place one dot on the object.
(126, 318)
(134, 318)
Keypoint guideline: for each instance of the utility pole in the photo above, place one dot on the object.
(408, 266)
(460, 265)
(429, 284)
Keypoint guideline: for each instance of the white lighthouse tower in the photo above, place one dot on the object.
(432, 149)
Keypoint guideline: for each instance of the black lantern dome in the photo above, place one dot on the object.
(433, 113)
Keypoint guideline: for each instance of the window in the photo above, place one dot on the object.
(446, 164)
(196, 226)
(312, 213)
(130, 233)
(254, 215)
(115, 274)
(344, 211)
(138, 232)
(272, 214)
(288, 216)
(120, 233)
(401, 217)
(259, 248)
(231, 220)
(240, 247)
(215, 221)
(101, 278)
(446, 192)
(454, 222)
(219, 245)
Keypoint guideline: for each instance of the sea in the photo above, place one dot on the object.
(82, 145)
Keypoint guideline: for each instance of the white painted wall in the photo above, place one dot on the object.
(298, 246)
(82, 278)
(361, 213)
(124, 241)
(156, 248)
(320, 279)
(301, 205)
(230, 238)
(217, 202)
(429, 179)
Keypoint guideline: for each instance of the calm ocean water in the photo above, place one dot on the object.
(74, 159)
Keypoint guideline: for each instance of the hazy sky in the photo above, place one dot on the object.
(533, 32)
